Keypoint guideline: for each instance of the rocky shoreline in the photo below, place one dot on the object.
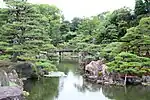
(11, 93)
(11, 85)
(12, 75)
(97, 72)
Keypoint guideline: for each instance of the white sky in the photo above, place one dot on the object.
(80, 8)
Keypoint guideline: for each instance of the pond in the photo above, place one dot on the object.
(74, 87)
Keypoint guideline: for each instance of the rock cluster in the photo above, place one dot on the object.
(11, 93)
(97, 71)
(11, 87)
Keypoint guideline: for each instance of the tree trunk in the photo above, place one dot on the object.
(125, 89)
(147, 54)
(14, 57)
(125, 80)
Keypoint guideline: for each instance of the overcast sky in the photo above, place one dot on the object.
(80, 8)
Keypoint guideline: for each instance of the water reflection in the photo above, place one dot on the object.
(46, 89)
(127, 93)
(74, 87)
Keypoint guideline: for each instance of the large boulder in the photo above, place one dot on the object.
(25, 70)
(4, 80)
(10, 79)
(146, 79)
(11, 93)
(11, 87)
(96, 67)
(92, 67)
(14, 79)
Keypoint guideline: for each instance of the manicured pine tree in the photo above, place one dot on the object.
(24, 32)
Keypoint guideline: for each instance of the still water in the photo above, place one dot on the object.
(74, 87)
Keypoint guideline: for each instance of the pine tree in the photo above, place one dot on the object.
(147, 6)
(127, 63)
(24, 32)
(139, 7)
(3, 19)
(138, 38)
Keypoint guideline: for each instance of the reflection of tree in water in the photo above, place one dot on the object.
(68, 65)
(87, 86)
(117, 92)
(46, 89)
(61, 83)
(128, 93)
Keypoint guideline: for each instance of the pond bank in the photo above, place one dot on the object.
(11, 86)
(11, 82)
(98, 72)
(75, 87)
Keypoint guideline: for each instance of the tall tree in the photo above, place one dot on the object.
(52, 15)
(139, 7)
(139, 38)
(3, 20)
(147, 6)
(75, 24)
(127, 63)
(23, 32)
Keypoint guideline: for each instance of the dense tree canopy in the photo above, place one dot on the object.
(138, 38)
(30, 32)
(118, 34)
(27, 31)
(127, 63)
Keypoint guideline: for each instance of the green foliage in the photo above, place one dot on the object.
(19, 29)
(130, 63)
(75, 22)
(91, 48)
(46, 66)
(111, 50)
(89, 58)
(136, 40)
(138, 37)
(4, 57)
(50, 18)
(140, 7)
(30, 32)
(3, 16)
(68, 36)
(121, 37)
(64, 45)
(147, 6)
(26, 31)
(48, 47)
(114, 25)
